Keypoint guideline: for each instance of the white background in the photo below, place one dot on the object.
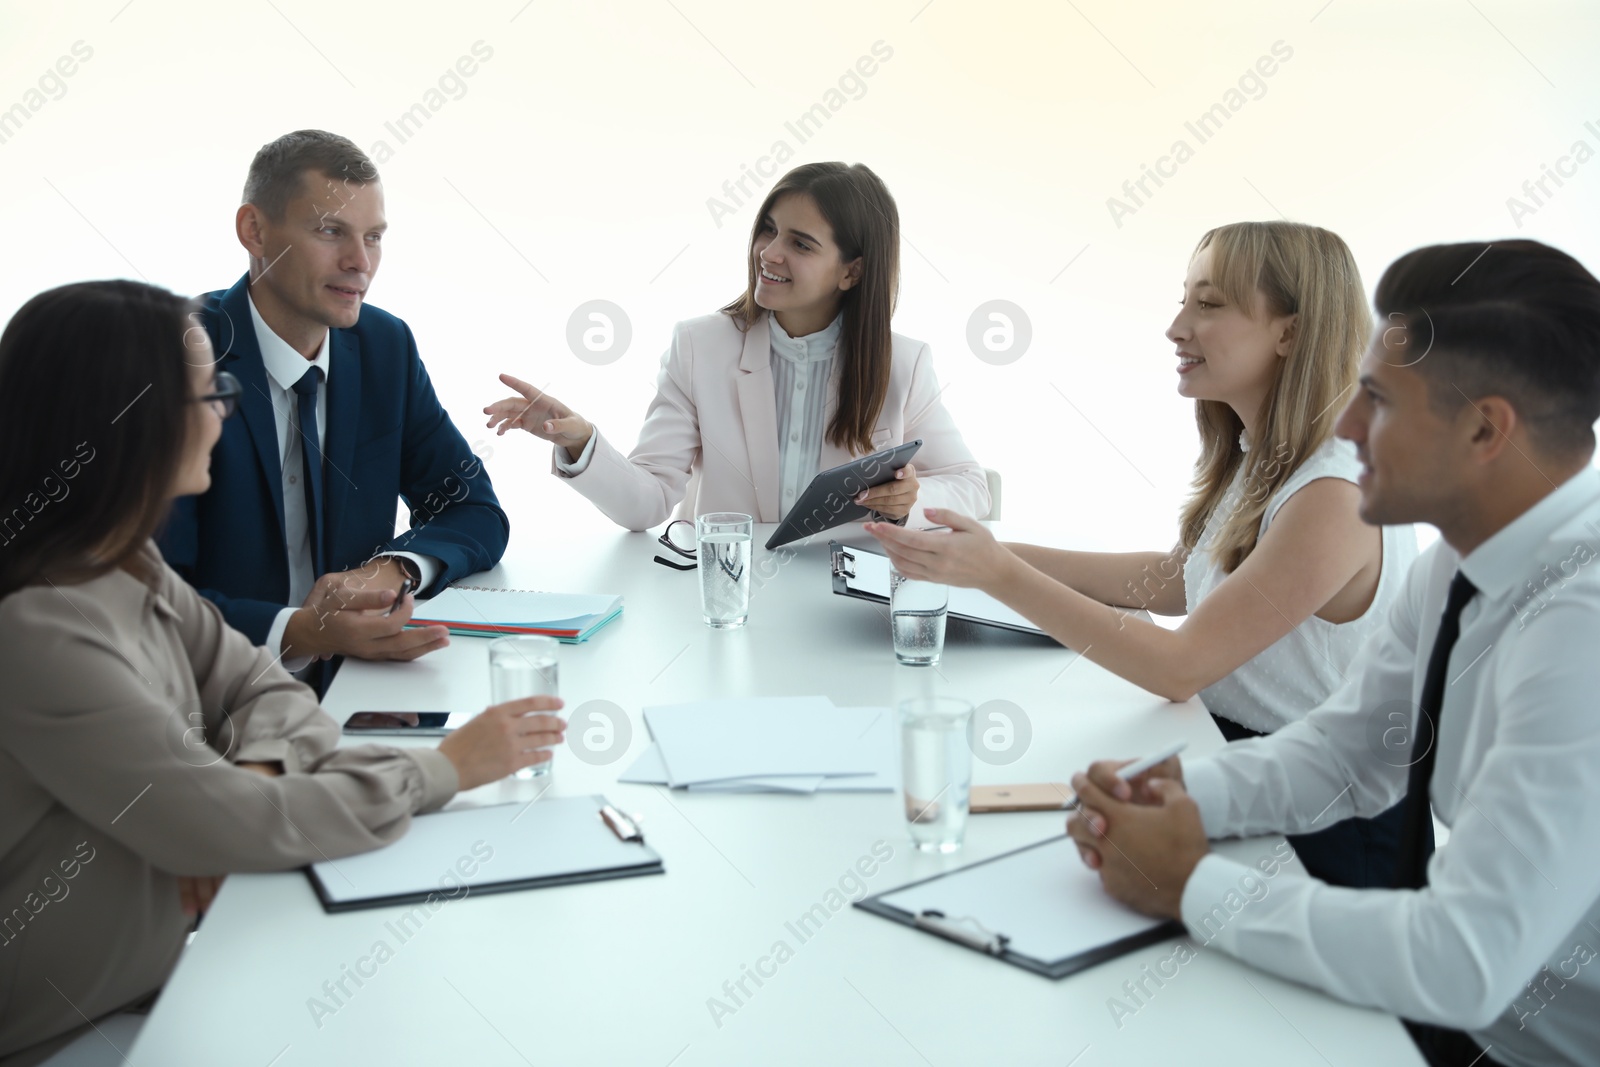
(578, 160)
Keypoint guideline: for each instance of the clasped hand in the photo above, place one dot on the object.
(1144, 836)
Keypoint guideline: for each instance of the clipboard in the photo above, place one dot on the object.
(1037, 907)
(450, 855)
(829, 500)
(862, 573)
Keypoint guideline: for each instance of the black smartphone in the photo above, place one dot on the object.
(404, 723)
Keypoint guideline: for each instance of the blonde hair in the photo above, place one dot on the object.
(1298, 270)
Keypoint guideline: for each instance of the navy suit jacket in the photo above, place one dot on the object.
(387, 439)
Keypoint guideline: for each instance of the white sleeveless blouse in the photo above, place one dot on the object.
(1301, 669)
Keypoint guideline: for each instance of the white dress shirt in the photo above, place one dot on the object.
(801, 367)
(1298, 671)
(285, 367)
(1504, 939)
(801, 370)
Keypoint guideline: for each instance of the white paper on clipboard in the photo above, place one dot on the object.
(864, 574)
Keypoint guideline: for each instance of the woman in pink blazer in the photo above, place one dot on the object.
(798, 375)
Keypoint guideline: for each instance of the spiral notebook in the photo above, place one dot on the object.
(478, 611)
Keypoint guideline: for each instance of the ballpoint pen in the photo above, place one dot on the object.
(1138, 767)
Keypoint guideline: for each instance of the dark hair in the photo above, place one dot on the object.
(94, 401)
(1515, 319)
(279, 168)
(866, 224)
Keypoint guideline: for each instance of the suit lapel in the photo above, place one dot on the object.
(759, 414)
(342, 427)
(234, 334)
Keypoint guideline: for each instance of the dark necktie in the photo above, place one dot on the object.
(1411, 865)
(311, 453)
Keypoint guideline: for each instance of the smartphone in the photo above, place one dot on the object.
(407, 586)
(1043, 796)
(404, 723)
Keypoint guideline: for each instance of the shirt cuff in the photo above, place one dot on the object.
(1212, 900)
(274, 643)
(427, 567)
(1206, 786)
(579, 465)
(439, 779)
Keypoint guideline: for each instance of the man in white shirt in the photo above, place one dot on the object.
(1475, 413)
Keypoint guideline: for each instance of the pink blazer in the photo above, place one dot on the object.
(714, 420)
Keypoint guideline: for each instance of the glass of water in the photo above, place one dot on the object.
(722, 547)
(917, 613)
(524, 666)
(935, 770)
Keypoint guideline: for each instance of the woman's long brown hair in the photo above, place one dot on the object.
(866, 224)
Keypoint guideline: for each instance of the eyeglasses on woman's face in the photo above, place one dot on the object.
(225, 394)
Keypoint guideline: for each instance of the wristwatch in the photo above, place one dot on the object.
(410, 568)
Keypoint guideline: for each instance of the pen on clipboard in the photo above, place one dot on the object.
(625, 828)
(406, 587)
(1138, 767)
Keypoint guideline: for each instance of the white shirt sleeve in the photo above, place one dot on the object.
(280, 623)
(1503, 892)
(579, 465)
(1330, 765)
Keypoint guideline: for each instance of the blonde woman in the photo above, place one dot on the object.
(1279, 578)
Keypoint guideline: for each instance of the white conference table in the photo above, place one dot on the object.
(621, 972)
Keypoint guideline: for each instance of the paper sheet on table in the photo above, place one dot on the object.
(714, 740)
(1044, 899)
(650, 769)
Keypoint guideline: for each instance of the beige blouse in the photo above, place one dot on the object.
(124, 710)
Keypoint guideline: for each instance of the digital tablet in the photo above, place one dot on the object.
(829, 500)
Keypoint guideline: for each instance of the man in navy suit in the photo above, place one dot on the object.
(295, 541)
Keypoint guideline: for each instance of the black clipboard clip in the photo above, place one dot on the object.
(966, 930)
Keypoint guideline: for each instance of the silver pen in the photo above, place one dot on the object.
(1138, 767)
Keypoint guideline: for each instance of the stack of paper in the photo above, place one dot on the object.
(768, 745)
(479, 612)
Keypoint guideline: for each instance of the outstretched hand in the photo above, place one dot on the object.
(966, 554)
(541, 414)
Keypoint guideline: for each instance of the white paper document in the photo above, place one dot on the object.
(710, 740)
(768, 745)
(454, 852)
(872, 576)
(1043, 899)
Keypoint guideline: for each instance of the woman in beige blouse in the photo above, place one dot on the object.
(147, 749)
